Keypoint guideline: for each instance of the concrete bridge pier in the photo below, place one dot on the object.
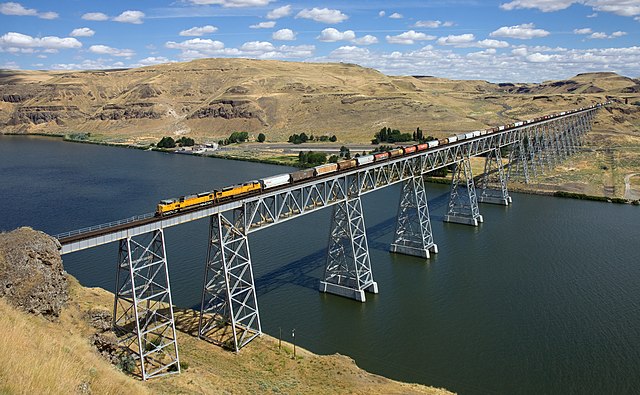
(493, 185)
(348, 269)
(413, 235)
(463, 202)
(143, 310)
(229, 294)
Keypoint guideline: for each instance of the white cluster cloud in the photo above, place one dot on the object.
(18, 42)
(82, 32)
(602, 35)
(323, 15)
(106, 50)
(129, 16)
(599, 35)
(150, 61)
(232, 3)
(199, 31)
(409, 37)
(279, 12)
(519, 65)
(12, 8)
(331, 35)
(457, 40)
(95, 16)
(88, 65)
(284, 35)
(542, 5)
(432, 24)
(263, 25)
(366, 40)
(396, 15)
(202, 48)
(584, 30)
(619, 7)
(524, 32)
(489, 43)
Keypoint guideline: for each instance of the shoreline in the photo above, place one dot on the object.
(435, 180)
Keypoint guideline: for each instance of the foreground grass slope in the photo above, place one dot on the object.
(38, 357)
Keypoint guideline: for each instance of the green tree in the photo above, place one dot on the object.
(167, 142)
(261, 138)
(186, 141)
(333, 138)
(238, 137)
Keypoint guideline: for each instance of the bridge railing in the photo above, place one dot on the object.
(104, 226)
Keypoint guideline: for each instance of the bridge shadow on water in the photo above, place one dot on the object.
(307, 271)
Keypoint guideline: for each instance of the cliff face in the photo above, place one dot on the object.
(32, 277)
(209, 98)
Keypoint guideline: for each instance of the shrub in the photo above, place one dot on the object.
(261, 138)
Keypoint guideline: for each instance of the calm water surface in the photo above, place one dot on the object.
(544, 297)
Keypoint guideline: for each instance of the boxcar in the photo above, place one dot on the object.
(453, 139)
(325, 169)
(394, 153)
(346, 164)
(422, 147)
(301, 175)
(433, 143)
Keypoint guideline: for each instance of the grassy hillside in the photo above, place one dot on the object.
(39, 356)
(210, 98)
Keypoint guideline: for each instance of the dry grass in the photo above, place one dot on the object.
(42, 357)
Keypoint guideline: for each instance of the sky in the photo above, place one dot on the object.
(498, 41)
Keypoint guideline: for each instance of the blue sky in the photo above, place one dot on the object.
(517, 41)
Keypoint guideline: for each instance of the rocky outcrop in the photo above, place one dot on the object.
(230, 109)
(32, 277)
(43, 114)
(133, 111)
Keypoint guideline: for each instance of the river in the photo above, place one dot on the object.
(543, 297)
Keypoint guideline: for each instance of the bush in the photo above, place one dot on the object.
(298, 138)
(238, 137)
(167, 142)
(126, 363)
(186, 142)
(261, 138)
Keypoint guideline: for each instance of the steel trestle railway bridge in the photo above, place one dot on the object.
(143, 310)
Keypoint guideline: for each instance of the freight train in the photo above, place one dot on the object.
(169, 206)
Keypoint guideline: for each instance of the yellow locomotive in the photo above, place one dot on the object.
(168, 206)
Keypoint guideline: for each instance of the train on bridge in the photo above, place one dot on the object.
(174, 205)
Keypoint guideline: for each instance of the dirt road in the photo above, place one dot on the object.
(630, 193)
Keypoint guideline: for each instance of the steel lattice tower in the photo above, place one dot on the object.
(413, 235)
(143, 310)
(463, 202)
(348, 269)
(229, 301)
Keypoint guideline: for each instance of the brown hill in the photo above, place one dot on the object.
(209, 98)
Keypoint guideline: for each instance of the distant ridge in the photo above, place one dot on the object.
(210, 98)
